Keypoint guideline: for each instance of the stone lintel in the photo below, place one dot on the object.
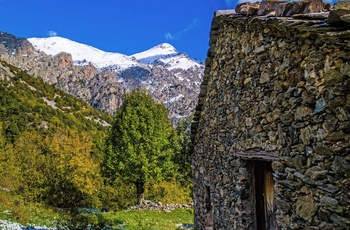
(224, 12)
(258, 154)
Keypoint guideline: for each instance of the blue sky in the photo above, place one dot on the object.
(127, 26)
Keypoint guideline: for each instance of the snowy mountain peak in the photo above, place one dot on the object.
(165, 54)
(81, 53)
(153, 54)
(165, 47)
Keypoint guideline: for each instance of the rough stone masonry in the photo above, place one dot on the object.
(271, 132)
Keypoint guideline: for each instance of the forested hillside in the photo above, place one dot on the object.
(50, 144)
(52, 149)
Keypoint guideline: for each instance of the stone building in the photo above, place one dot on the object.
(271, 131)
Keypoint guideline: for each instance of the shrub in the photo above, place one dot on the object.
(118, 198)
(169, 192)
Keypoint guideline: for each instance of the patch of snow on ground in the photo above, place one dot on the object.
(179, 77)
(180, 62)
(174, 99)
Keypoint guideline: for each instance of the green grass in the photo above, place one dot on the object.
(29, 214)
(157, 220)
(14, 209)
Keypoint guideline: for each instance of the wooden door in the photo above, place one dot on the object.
(264, 195)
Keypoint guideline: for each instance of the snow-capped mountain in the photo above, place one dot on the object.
(149, 56)
(81, 53)
(101, 78)
(167, 55)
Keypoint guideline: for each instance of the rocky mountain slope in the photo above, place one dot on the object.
(28, 103)
(101, 78)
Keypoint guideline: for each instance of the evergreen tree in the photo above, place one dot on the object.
(141, 143)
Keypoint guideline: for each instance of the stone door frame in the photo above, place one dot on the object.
(263, 186)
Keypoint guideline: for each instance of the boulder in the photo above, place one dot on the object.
(268, 6)
(288, 9)
(253, 9)
(247, 8)
(339, 14)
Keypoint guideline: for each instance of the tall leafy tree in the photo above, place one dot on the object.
(141, 143)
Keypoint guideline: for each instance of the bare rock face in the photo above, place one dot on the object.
(340, 14)
(107, 93)
(88, 71)
(12, 43)
(63, 60)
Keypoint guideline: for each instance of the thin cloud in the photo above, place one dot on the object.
(178, 35)
(169, 36)
(52, 33)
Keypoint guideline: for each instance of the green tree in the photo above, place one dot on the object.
(183, 158)
(141, 143)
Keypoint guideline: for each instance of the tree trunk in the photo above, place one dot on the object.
(140, 190)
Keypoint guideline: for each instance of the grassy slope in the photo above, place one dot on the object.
(159, 220)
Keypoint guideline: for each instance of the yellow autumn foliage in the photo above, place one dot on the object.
(169, 192)
(9, 172)
(75, 176)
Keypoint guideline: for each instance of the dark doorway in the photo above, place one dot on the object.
(264, 195)
(209, 215)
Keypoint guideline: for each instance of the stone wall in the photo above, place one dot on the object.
(275, 90)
